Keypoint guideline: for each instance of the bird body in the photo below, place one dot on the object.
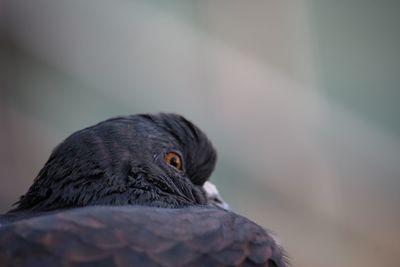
(137, 236)
(131, 191)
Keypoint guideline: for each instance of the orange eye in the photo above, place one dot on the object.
(174, 160)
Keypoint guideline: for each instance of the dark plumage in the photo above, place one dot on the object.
(128, 191)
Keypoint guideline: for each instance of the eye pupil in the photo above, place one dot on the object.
(174, 162)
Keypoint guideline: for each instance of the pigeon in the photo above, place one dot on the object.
(132, 191)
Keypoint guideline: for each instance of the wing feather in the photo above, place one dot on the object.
(137, 236)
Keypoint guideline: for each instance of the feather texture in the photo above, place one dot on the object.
(137, 236)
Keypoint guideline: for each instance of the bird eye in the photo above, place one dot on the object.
(174, 160)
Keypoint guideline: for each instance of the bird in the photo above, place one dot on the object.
(132, 191)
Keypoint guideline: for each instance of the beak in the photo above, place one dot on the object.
(213, 197)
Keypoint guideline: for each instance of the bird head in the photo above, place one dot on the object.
(158, 160)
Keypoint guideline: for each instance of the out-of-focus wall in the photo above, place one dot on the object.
(299, 97)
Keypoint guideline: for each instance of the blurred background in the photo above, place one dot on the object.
(299, 97)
